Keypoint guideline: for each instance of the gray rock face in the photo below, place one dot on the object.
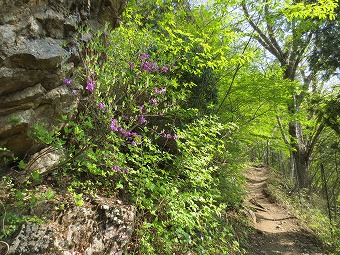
(33, 64)
(100, 227)
(34, 61)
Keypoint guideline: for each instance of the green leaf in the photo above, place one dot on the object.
(22, 165)
(36, 175)
(49, 195)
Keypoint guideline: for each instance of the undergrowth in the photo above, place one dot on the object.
(131, 138)
(309, 208)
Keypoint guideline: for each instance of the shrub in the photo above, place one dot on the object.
(122, 141)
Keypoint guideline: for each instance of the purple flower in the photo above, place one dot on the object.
(113, 126)
(132, 65)
(122, 130)
(67, 80)
(153, 66)
(138, 140)
(154, 101)
(165, 69)
(116, 168)
(149, 66)
(144, 56)
(90, 85)
(126, 169)
(142, 120)
(159, 91)
(168, 136)
(141, 108)
(74, 92)
(175, 137)
(101, 106)
(146, 67)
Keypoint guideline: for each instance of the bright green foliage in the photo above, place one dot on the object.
(324, 56)
(199, 41)
(273, 99)
(123, 141)
(145, 130)
(176, 194)
(323, 9)
(254, 101)
(179, 203)
(128, 89)
(137, 134)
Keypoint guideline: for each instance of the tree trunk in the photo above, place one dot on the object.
(300, 154)
(301, 168)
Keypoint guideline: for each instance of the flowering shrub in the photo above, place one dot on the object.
(127, 87)
(119, 144)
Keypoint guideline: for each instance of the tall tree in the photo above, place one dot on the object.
(289, 41)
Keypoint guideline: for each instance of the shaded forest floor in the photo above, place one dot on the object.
(277, 231)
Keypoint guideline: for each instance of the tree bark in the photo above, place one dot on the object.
(300, 155)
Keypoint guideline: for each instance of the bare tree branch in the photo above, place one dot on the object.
(312, 142)
(284, 136)
(272, 34)
(262, 38)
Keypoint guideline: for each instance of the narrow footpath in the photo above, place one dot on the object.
(277, 231)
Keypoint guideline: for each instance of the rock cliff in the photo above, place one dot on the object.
(36, 54)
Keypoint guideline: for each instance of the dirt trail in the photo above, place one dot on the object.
(277, 231)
